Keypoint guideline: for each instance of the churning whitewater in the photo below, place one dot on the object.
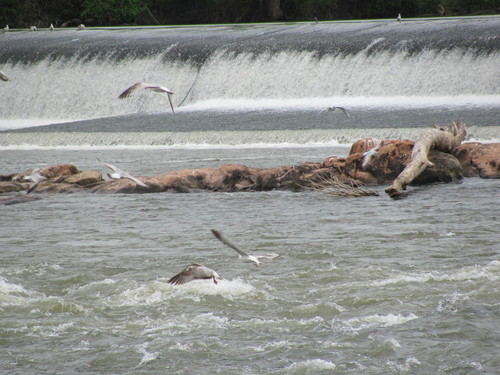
(448, 63)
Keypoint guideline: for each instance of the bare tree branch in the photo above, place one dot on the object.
(437, 138)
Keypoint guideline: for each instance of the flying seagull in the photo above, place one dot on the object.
(330, 109)
(148, 86)
(399, 18)
(36, 178)
(118, 173)
(369, 155)
(3, 77)
(52, 27)
(6, 28)
(255, 259)
(194, 272)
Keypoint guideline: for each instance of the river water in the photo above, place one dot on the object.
(361, 285)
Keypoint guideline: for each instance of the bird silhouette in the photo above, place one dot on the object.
(148, 86)
(119, 173)
(255, 259)
(331, 109)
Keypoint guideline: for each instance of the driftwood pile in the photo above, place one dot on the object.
(437, 156)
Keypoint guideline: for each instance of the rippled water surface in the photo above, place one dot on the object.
(361, 285)
(365, 285)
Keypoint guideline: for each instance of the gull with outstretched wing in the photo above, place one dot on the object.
(331, 109)
(148, 86)
(118, 173)
(255, 259)
(194, 272)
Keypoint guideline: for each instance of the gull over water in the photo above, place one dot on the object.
(119, 173)
(200, 272)
(254, 259)
(148, 86)
(194, 272)
(331, 109)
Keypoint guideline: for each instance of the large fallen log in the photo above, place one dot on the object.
(66, 178)
(440, 139)
(479, 159)
(337, 176)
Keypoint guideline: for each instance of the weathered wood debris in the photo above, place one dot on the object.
(439, 139)
(437, 156)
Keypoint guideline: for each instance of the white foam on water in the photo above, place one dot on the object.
(282, 325)
(447, 234)
(147, 356)
(37, 269)
(56, 305)
(393, 343)
(310, 366)
(187, 146)
(285, 105)
(172, 324)
(376, 320)
(477, 365)
(490, 271)
(97, 289)
(211, 139)
(16, 295)
(83, 345)
(178, 146)
(169, 140)
(353, 103)
(182, 347)
(491, 140)
(226, 288)
(48, 330)
(405, 367)
(210, 319)
(312, 308)
(13, 295)
(281, 344)
(159, 291)
(96, 285)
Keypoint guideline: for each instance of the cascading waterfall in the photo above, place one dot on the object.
(74, 89)
(288, 75)
(68, 76)
(86, 84)
(81, 89)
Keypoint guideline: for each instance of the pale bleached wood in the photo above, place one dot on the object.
(438, 138)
